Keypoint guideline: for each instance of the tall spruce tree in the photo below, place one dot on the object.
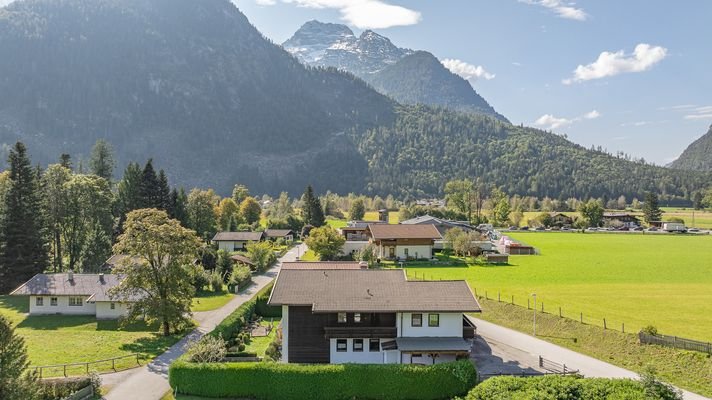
(149, 187)
(15, 381)
(177, 209)
(164, 192)
(24, 248)
(312, 212)
(65, 160)
(651, 209)
(129, 190)
(102, 161)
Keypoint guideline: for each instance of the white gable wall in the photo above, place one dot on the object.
(450, 326)
(104, 311)
(62, 306)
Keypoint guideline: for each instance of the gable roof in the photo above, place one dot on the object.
(238, 236)
(89, 285)
(322, 265)
(384, 231)
(367, 290)
(242, 259)
(421, 220)
(278, 233)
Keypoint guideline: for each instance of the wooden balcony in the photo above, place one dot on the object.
(366, 332)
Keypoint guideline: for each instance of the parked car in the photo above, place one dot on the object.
(653, 229)
(638, 229)
(524, 228)
(539, 228)
(513, 228)
(694, 230)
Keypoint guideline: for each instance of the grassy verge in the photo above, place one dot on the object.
(209, 300)
(309, 256)
(258, 345)
(688, 370)
(62, 339)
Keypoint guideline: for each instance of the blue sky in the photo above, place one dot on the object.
(543, 63)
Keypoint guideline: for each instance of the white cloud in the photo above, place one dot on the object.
(563, 9)
(609, 64)
(365, 14)
(266, 2)
(516, 64)
(548, 121)
(467, 71)
(699, 116)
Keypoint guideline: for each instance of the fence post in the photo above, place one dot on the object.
(623, 327)
(582, 318)
(564, 369)
(487, 298)
(138, 362)
(475, 289)
(65, 370)
(512, 299)
(604, 324)
(542, 307)
(559, 312)
(113, 364)
(499, 297)
(87, 368)
(528, 303)
(541, 362)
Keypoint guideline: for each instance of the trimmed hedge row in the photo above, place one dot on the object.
(242, 315)
(275, 381)
(261, 307)
(555, 387)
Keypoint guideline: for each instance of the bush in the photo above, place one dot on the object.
(201, 278)
(240, 276)
(650, 330)
(268, 381)
(60, 388)
(206, 350)
(261, 306)
(216, 281)
(555, 387)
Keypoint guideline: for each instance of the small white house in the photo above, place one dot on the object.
(403, 242)
(236, 241)
(73, 294)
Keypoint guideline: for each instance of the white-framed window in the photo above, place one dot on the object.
(75, 301)
(433, 320)
(341, 345)
(112, 306)
(39, 301)
(358, 345)
(341, 318)
(374, 345)
(53, 301)
(357, 317)
(405, 251)
(416, 319)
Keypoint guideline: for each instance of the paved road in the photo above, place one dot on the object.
(507, 350)
(151, 381)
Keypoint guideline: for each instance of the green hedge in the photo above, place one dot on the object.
(555, 387)
(237, 319)
(276, 381)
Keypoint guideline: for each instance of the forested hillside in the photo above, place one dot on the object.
(697, 156)
(190, 83)
(425, 148)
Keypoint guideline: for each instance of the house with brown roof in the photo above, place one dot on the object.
(74, 294)
(236, 241)
(372, 317)
(403, 242)
(626, 219)
(285, 234)
(325, 265)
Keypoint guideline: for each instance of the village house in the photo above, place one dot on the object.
(403, 242)
(560, 219)
(236, 241)
(444, 225)
(285, 234)
(73, 294)
(372, 317)
(628, 220)
(325, 265)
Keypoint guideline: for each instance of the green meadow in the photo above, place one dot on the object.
(632, 279)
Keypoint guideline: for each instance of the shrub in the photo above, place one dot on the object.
(555, 387)
(216, 281)
(650, 330)
(267, 381)
(60, 388)
(231, 326)
(201, 278)
(241, 275)
(261, 306)
(206, 350)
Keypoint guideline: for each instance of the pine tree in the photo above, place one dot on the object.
(149, 187)
(312, 212)
(102, 161)
(97, 249)
(24, 246)
(177, 208)
(651, 209)
(164, 192)
(15, 382)
(65, 160)
(129, 190)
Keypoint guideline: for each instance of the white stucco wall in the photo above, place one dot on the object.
(414, 251)
(450, 326)
(285, 333)
(104, 311)
(62, 306)
(356, 357)
(426, 359)
(231, 246)
(353, 245)
(391, 357)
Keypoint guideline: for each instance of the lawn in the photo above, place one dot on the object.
(702, 219)
(69, 339)
(258, 345)
(373, 216)
(309, 256)
(631, 279)
(208, 300)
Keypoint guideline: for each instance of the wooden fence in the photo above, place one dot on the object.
(549, 367)
(84, 367)
(676, 342)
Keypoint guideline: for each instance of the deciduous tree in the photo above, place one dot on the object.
(250, 210)
(227, 212)
(158, 272)
(261, 254)
(326, 242)
(55, 206)
(591, 212)
(201, 212)
(357, 210)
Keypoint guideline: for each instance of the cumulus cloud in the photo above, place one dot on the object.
(266, 2)
(365, 14)
(609, 64)
(562, 9)
(467, 71)
(549, 121)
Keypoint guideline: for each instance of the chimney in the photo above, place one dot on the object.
(70, 276)
(101, 277)
(363, 265)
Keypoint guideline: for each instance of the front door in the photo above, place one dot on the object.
(391, 252)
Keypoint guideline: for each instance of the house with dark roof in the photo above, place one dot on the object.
(372, 317)
(285, 234)
(236, 241)
(74, 294)
(403, 242)
(325, 265)
(626, 219)
(443, 225)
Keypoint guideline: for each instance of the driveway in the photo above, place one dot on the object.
(151, 381)
(503, 350)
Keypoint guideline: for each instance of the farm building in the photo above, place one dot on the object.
(628, 220)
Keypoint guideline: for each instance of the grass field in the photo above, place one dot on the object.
(259, 345)
(373, 216)
(639, 280)
(208, 300)
(67, 339)
(702, 219)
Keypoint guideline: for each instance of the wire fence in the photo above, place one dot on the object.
(83, 368)
(676, 342)
(546, 366)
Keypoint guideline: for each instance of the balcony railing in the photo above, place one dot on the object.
(375, 332)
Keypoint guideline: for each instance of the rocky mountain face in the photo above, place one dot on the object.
(410, 77)
(697, 156)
